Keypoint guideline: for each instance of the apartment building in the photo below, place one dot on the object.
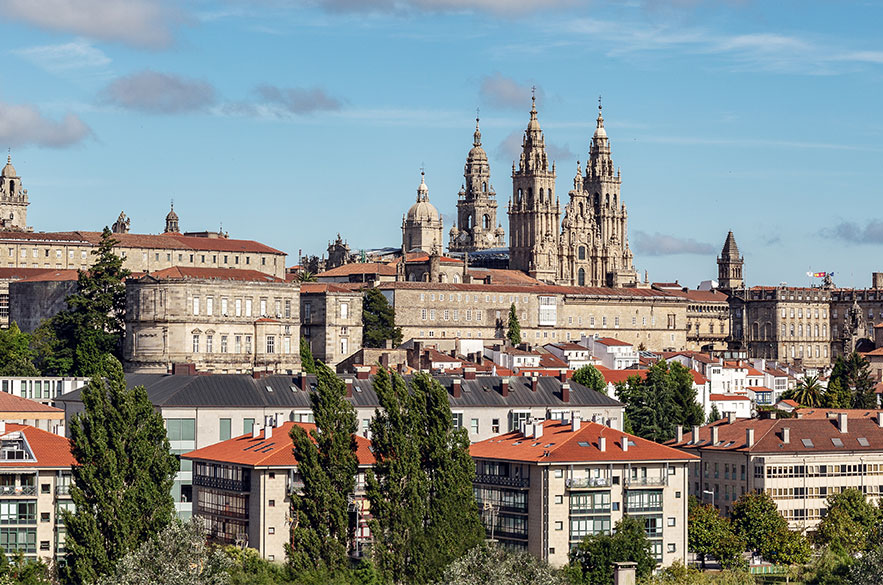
(549, 485)
(331, 321)
(242, 485)
(15, 409)
(217, 320)
(798, 462)
(35, 484)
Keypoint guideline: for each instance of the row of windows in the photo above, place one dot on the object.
(809, 313)
(35, 253)
(209, 307)
(510, 499)
(84, 254)
(468, 314)
(35, 389)
(464, 298)
(779, 471)
(271, 345)
(221, 503)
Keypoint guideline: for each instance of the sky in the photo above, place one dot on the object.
(290, 121)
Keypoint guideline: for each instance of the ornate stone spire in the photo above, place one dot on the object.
(422, 190)
(476, 138)
(172, 221)
(533, 146)
(600, 164)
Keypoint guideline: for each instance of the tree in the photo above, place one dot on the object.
(714, 414)
(306, 276)
(660, 402)
(710, 534)
(16, 355)
(836, 396)
(850, 524)
(513, 330)
(23, 571)
(853, 374)
(307, 361)
(178, 555)
(869, 568)
(808, 392)
(490, 564)
(591, 562)
(757, 520)
(378, 320)
(678, 574)
(327, 464)
(123, 477)
(590, 377)
(92, 326)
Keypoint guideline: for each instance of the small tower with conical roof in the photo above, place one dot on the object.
(172, 222)
(729, 266)
(13, 200)
(534, 214)
(422, 225)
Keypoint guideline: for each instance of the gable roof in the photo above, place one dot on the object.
(358, 268)
(10, 405)
(560, 444)
(609, 341)
(168, 241)
(199, 273)
(277, 451)
(49, 449)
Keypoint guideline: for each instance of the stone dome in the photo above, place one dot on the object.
(8, 170)
(423, 210)
(172, 215)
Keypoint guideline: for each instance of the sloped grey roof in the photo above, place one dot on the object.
(240, 390)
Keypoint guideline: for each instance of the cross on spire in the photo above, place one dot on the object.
(599, 103)
(533, 92)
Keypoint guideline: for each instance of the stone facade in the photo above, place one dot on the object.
(729, 266)
(433, 312)
(219, 321)
(422, 227)
(477, 227)
(13, 200)
(331, 321)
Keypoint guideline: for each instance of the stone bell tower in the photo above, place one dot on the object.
(13, 200)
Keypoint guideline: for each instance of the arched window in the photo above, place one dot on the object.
(614, 199)
(484, 186)
(456, 278)
(410, 244)
(607, 199)
(581, 253)
(530, 195)
(469, 222)
(597, 200)
(486, 221)
(581, 277)
(11, 187)
(580, 208)
(519, 196)
(541, 194)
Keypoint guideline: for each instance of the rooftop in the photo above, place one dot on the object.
(197, 273)
(168, 241)
(50, 450)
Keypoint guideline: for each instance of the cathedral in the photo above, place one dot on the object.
(13, 200)
(589, 247)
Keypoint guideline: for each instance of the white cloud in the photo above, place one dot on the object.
(299, 100)
(510, 149)
(25, 125)
(159, 93)
(505, 92)
(78, 54)
(665, 245)
(142, 23)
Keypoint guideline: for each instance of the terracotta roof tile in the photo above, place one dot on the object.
(723, 397)
(359, 268)
(198, 273)
(158, 241)
(49, 449)
(323, 287)
(274, 452)
(12, 403)
(609, 341)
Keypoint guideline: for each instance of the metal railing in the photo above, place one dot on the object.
(15, 490)
(63, 490)
(641, 481)
(519, 482)
(230, 485)
(587, 482)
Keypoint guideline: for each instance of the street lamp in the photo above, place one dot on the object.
(711, 494)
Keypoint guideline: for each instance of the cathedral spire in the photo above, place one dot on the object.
(476, 138)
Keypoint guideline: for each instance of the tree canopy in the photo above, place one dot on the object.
(590, 377)
(378, 320)
(591, 562)
(808, 392)
(710, 534)
(490, 564)
(307, 361)
(513, 327)
(852, 374)
(757, 520)
(122, 480)
(16, 355)
(851, 523)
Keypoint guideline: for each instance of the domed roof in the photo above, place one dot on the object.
(8, 170)
(172, 214)
(476, 153)
(600, 132)
(423, 210)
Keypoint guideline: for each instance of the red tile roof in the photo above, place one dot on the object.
(824, 413)
(547, 360)
(617, 376)
(49, 449)
(10, 403)
(754, 372)
(261, 452)
(359, 268)
(323, 287)
(576, 291)
(197, 273)
(609, 341)
(19, 273)
(722, 397)
(48, 275)
(698, 378)
(789, 402)
(159, 241)
(559, 444)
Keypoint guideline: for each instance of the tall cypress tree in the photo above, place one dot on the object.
(513, 332)
(378, 321)
(122, 480)
(307, 361)
(397, 489)
(327, 463)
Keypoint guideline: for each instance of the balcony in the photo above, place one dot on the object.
(230, 485)
(587, 482)
(516, 482)
(62, 490)
(14, 490)
(645, 481)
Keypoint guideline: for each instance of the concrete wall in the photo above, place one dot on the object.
(32, 302)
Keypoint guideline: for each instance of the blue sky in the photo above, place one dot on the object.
(290, 121)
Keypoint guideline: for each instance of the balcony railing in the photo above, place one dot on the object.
(62, 490)
(587, 482)
(643, 481)
(16, 490)
(230, 485)
(519, 482)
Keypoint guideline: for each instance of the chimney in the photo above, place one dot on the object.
(349, 387)
(562, 375)
(533, 383)
(504, 387)
(537, 430)
(456, 387)
(749, 437)
(575, 421)
(384, 359)
(880, 419)
(680, 433)
(565, 392)
(363, 372)
(786, 435)
(468, 373)
(625, 443)
(255, 431)
(454, 352)
(602, 444)
(280, 419)
(695, 434)
(304, 385)
(268, 432)
(842, 422)
(731, 418)
(714, 433)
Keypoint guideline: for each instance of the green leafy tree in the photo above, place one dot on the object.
(869, 568)
(122, 480)
(306, 276)
(757, 520)
(851, 523)
(248, 567)
(92, 326)
(714, 414)
(836, 396)
(590, 377)
(327, 463)
(490, 564)
(378, 320)
(792, 548)
(16, 355)
(853, 374)
(19, 570)
(660, 402)
(678, 574)
(513, 329)
(178, 555)
(591, 562)
(808, 392)
(307, 361)
(710, 534)
(825, 568)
